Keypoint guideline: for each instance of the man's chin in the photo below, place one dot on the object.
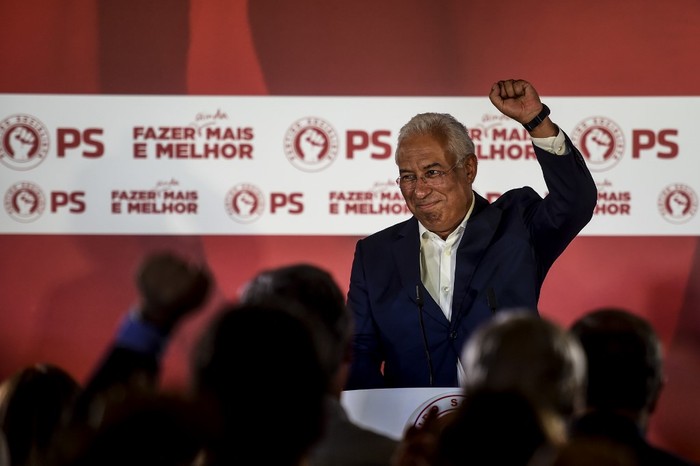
(432, 223)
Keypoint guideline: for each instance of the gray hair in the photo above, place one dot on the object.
(518, 350)
(453, 135)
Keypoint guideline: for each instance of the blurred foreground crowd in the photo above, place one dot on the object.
(268, 372)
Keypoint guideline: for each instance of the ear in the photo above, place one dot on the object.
(470, 167)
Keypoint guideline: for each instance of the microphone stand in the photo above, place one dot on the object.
(419, 301)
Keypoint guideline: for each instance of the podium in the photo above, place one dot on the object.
(390, 411)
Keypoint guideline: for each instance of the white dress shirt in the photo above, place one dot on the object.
(438, 258)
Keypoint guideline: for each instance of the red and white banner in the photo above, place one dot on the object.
(315, 165)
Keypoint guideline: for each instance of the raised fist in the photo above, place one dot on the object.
(312, 142)
(170, 289)
(21, 141)
(597, 145)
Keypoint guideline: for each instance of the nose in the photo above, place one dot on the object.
(422, 188)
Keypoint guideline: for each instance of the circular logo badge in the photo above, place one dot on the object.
(441, 405)
(244, 203)
(24, 142)
(601, 142)
(24, 201)
(678, 203)
(311, 144)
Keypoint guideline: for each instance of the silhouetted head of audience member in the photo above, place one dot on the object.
(517, 350)
(140, 429)
(322, 305)
(625, 369)
(34, 403)
(494, 427)
(258, 368)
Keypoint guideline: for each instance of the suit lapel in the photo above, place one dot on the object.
(478, 234)
(406, 251)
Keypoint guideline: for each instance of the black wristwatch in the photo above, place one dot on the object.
(534, 123)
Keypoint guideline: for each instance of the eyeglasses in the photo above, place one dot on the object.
(431, 178)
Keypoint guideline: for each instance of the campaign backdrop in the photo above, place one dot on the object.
(256, 134)
(315, 166)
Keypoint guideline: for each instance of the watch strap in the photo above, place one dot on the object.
(534, 123)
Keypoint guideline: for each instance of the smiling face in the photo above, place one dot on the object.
(442, 206)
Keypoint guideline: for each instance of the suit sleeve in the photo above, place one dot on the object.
(133, 360)
(367, 357)
(568, 207)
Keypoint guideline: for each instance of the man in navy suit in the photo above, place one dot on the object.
(418, 289)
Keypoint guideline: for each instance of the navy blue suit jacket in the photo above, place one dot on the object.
(503, 257)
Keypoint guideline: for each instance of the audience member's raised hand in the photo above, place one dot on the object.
(170, 289)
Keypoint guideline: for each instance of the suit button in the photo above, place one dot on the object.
(453, 335)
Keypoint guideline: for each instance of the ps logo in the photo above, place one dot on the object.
(601, 142)
(245, 203)
(678, 203)
(311, 144)
(24, 142)
(85, 142)
(25, 202)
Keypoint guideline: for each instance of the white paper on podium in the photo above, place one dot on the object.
(390, 411)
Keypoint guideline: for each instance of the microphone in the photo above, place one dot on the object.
(419, 301)
(491, 300)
